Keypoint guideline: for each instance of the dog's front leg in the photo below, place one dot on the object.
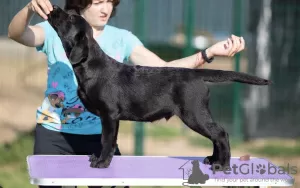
(108, 141)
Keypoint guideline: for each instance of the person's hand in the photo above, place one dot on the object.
(41, 7)
(228, 47)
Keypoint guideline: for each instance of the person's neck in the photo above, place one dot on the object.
(97, 31)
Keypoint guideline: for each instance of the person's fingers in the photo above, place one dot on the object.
(38, 10)
(49, 5)
(31, 7)
(225, 44)
(230, 46)
(238, 42)
(231, 49)
(43, 5)
(235, 45)
(242, 47)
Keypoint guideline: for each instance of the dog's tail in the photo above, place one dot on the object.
(224, 76)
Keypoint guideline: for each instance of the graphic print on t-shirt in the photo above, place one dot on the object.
(67, 111)
(62, 110)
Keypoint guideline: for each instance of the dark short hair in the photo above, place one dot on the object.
(79, 5)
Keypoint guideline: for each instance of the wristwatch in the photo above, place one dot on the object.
(204, 55)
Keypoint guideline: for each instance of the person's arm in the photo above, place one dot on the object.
(19, 29)
(144, 57)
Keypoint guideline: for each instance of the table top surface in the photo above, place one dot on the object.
(149, 167)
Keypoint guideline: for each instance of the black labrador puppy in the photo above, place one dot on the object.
(115, 91)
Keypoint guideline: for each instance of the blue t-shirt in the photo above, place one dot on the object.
(61, 109)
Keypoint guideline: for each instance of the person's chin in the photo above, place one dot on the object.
(101, 23)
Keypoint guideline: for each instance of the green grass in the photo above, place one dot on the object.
(204, 142)
(13, 167)
(15, 176)
(200, 141)
(16, 151)
(153, 130)
(277, 151)
(268, 150)
(162, 132)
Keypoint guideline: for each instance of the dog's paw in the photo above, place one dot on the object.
(100, 164)
(93, 158)
(215, 164)
(209, 160)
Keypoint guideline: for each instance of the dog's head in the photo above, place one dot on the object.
(74, 32)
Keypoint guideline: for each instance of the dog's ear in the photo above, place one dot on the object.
(79, 53)
(72, 12)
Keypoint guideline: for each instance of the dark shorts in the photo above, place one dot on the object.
(49, 142)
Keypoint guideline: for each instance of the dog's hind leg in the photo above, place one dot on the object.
(197, 116)
(109, 143)
(202, 124)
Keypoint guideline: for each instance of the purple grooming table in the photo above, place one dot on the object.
(150, 171)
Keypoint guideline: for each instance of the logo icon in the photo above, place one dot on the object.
(193, 173)
(261, 169)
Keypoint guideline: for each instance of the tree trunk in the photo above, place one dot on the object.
(274, 54)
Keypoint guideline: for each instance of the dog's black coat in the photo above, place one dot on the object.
(115, 91)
